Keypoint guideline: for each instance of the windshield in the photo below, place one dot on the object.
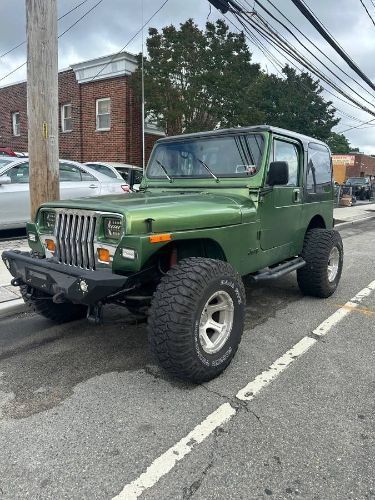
(227, 156)
(356, 180)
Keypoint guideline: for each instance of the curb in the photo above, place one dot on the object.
(344, 223)
(12, 307)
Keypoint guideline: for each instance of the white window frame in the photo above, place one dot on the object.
(103, 114)
(16, 127)
(63, 118)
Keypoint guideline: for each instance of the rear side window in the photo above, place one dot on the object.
(102, 169)
(19, 174)
(319, 169)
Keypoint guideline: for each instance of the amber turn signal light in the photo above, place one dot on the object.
(158, 238)
(103, 255)
(50, 245)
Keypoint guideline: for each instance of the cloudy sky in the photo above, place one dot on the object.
(113, 22)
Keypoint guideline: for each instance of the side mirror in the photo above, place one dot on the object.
(278, 173)
(4, 179)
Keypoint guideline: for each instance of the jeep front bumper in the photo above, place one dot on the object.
(64, 282)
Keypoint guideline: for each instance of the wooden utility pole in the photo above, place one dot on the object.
(42, 101)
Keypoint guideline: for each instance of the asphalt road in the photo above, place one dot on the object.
(84, 411)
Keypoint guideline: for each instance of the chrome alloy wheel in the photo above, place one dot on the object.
(216, 322)
(333, 264)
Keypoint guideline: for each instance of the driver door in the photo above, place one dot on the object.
(280, 209)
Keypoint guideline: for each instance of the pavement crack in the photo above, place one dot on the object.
(234, 402)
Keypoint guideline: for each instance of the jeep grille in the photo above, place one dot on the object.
(75, 233)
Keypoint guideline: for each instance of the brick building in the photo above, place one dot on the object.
(353, 165)
(99, 118)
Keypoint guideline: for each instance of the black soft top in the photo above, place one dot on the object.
(240, 130)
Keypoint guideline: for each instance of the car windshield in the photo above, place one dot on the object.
(356, 180)
(226, 156)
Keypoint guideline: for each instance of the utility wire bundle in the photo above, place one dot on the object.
(302, 52)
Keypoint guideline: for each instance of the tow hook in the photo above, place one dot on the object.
(16, 282)
(95, 313)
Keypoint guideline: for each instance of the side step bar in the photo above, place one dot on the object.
(271, 273)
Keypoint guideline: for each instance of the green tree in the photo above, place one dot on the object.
(296, 103)
(199, 80)
(339, 143)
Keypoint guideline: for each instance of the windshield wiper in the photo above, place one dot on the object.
(208, 169)
(164, 170)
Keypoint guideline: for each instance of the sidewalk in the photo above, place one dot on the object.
(10, 296)
(361, 210)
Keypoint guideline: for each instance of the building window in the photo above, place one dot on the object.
(66, 118)
(16, 123)
(103, 114)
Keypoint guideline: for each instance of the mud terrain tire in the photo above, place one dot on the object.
(323, 253)
(193, 294)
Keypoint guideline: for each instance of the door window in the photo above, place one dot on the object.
(69, 173)
(286, 151)
(85, 176)
(319, 169)
(19, 174)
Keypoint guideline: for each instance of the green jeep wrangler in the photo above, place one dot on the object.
(213, 207)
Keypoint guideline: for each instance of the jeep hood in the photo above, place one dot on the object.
(169, 211)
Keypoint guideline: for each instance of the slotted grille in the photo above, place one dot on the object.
(75, 235)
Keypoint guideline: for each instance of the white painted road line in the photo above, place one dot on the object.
(337, 316)
(263, 379)
(165, 463)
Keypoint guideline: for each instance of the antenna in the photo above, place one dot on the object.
(143, 97)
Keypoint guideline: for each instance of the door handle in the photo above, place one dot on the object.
(93, 186)
(296, 196)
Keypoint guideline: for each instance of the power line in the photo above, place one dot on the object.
(63, 33)
(275, 38)
(357, 126)
(316, 46)
(311, 53)
(274, 61)
(368, 13)
(59, 19)
(311, 17)
(129, 42)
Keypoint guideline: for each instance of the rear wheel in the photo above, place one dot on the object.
(323, 253)
(196, 318)
(42, 304)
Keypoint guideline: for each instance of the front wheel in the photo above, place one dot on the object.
(324, 254)
(196, 318)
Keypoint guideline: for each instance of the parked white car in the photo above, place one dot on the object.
(76, 181)
(131, 174)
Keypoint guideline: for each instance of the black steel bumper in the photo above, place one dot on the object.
(77, 285)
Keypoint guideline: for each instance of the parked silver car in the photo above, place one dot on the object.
(131, 174)
(76, 181)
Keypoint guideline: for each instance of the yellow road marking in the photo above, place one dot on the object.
(363, 310)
